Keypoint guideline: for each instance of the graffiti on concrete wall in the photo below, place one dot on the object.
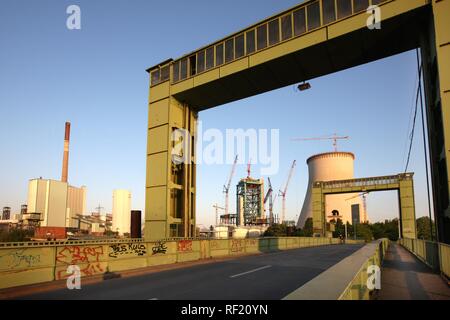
(159, 247)
(214, 244)
(237, 245)
(19, 259)
(185, 246)
(127, 249)
(76, 255)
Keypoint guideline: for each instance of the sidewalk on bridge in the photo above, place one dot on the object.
(404, 277)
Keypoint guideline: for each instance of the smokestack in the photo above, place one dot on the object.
(65, 166)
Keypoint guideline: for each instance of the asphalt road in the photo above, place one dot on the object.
(269, 276)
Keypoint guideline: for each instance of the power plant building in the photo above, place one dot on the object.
(6, 214)
(328, 167)
(250, 201)
(121, 211)
(57, 202)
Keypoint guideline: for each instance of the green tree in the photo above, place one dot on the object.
(363, 231)
(308, 228)
(392, 229)
(16, 235)
(276, 230)
(299, 233)
(423, 228)
(387, 229)
(339, 229)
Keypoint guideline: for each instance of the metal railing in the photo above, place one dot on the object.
(444, 259)
(364, 182)
(434, 254)
(31, 244)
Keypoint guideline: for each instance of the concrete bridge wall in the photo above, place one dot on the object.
(37, 262)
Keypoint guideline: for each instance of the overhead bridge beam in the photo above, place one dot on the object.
(312, 39)
(296, 45)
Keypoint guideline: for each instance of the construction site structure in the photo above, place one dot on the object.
(250, 202)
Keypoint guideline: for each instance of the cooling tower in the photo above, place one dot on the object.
(326, 167)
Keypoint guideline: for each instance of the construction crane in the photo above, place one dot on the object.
(282, 193)
(226, 188)
(363, 195)
(249, 167)
(335, 139)
(275, 217)
(269, 197)
(217, 212)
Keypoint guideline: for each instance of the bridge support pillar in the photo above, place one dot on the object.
(435, 45)
(170, 183)
(407, 208)
(318, 208)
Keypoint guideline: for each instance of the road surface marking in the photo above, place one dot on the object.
(250, 271)
(153, 299)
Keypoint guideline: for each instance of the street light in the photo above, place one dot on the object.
(304, 86)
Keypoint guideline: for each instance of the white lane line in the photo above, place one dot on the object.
(250, 271)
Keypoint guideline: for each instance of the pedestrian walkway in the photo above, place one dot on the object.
(404, 277)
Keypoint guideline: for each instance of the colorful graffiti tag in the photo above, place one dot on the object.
(185, 246)
(80, 255)
(251, 242)
(19, 259)
(122, 249)
(237, 246)
(214, 244)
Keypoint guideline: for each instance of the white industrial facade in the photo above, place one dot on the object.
(121, 212)
(327, 167)
(56, 202)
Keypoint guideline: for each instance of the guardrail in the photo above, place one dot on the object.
(346, 280)
(357, 289)
(434, 254)
(30, 244)
(444, 255)
(26, 263)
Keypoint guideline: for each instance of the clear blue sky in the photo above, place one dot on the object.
(95, 77)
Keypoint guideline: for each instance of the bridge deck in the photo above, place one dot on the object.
(259, 277)
(404, 277)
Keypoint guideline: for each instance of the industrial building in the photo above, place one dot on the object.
(250, 201)
(121, 211)
(6, 214)
(331, 166)
(57, 202)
